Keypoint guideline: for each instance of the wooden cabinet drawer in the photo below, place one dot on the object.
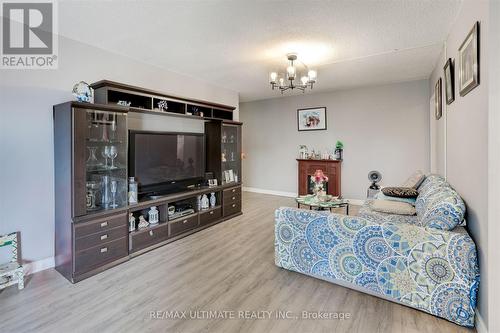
(84, 229)
(232, 191)
(210, 216)
(94, 257)
(231, 198)
(183, 224)
(232, 208)
(100, 238)
(144, 238)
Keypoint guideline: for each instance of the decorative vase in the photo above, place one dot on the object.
(131, 222)
(213, 200)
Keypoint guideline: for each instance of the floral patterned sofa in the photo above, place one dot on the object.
(427, 261)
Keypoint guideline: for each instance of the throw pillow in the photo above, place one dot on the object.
(382, 196)
(401, 192)
(414, 180)
(393, 207)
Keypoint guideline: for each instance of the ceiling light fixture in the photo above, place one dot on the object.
(278, 81)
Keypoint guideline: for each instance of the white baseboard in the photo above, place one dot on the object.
(271, 192)
(39, 265)
(480, 325)
(357, 202)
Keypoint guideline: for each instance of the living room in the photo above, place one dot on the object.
(250, 166)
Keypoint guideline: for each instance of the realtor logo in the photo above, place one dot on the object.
(29, 35)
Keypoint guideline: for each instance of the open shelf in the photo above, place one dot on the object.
(146, 101)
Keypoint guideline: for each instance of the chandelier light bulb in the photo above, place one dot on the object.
(290, 72)
(304, 80)
(272, 77)
(282, 82)
(313, 75)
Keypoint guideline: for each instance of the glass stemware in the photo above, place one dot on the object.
(105, 154)
(112, 153)
(92, 161)
(113, 127)
(114, 186)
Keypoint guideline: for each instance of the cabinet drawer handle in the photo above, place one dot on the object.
(234, 190)
(104, 224)
(212, 212)
(234, 205)
(151, 233)
(104, 250)
(103, 237)
(184, 222)
(234, 198)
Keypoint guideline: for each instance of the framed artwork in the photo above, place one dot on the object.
(438, 103)
(468, 56)
(311, 119)
(449, 81)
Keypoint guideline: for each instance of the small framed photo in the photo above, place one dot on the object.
(449, 81)
(468, 56)
(212, 182)
(438, 102)
(311, 119)
(231, 176)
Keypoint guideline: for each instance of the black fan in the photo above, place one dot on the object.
(374, 176)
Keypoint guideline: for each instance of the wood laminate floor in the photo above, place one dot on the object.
(229, 267)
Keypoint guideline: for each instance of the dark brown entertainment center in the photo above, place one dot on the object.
(88, 241)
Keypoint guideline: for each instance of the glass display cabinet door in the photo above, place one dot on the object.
(100, 160)
(231, 153)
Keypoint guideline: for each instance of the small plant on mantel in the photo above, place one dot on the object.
(339, 148)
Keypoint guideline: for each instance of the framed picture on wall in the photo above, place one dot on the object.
(311, 119)
(438, 102)
(449, 81)
(468, 56)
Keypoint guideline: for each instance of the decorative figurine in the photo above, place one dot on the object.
(224, 137)
(163, 105)
(213, 200)
(142, 222)
(124, 103)
(83, 92)
(204, 202)
(131, 222)
(223, 157)
(154, 216)
(303, 152)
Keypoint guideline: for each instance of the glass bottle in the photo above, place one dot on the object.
(132, 190)
(106, 195)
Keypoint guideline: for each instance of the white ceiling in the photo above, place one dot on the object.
(235, 44)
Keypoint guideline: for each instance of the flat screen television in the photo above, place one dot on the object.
(165, 162)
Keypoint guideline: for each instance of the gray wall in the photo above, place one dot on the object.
(26, 131)
(466, 137)
(494, 166)
(383, 128)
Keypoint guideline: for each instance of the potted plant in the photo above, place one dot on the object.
(339, 149)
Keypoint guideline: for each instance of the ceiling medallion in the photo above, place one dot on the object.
(286, 81)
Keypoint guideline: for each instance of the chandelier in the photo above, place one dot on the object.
(278, 81)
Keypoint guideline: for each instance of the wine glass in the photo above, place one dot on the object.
(114, 187)
(105, 154)
(112, 153)
(113, 126)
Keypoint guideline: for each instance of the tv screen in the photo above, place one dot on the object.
(158, 157)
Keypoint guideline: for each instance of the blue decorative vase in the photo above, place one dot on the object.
(213, 200)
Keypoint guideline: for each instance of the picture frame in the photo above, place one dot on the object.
(438, 103)
(231, 176)
(449, 81)
(212, 182)
(311, 119)
(468, 56)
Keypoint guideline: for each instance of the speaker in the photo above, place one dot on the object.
(375, 177)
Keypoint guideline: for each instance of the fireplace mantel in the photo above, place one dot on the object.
(331, 168)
